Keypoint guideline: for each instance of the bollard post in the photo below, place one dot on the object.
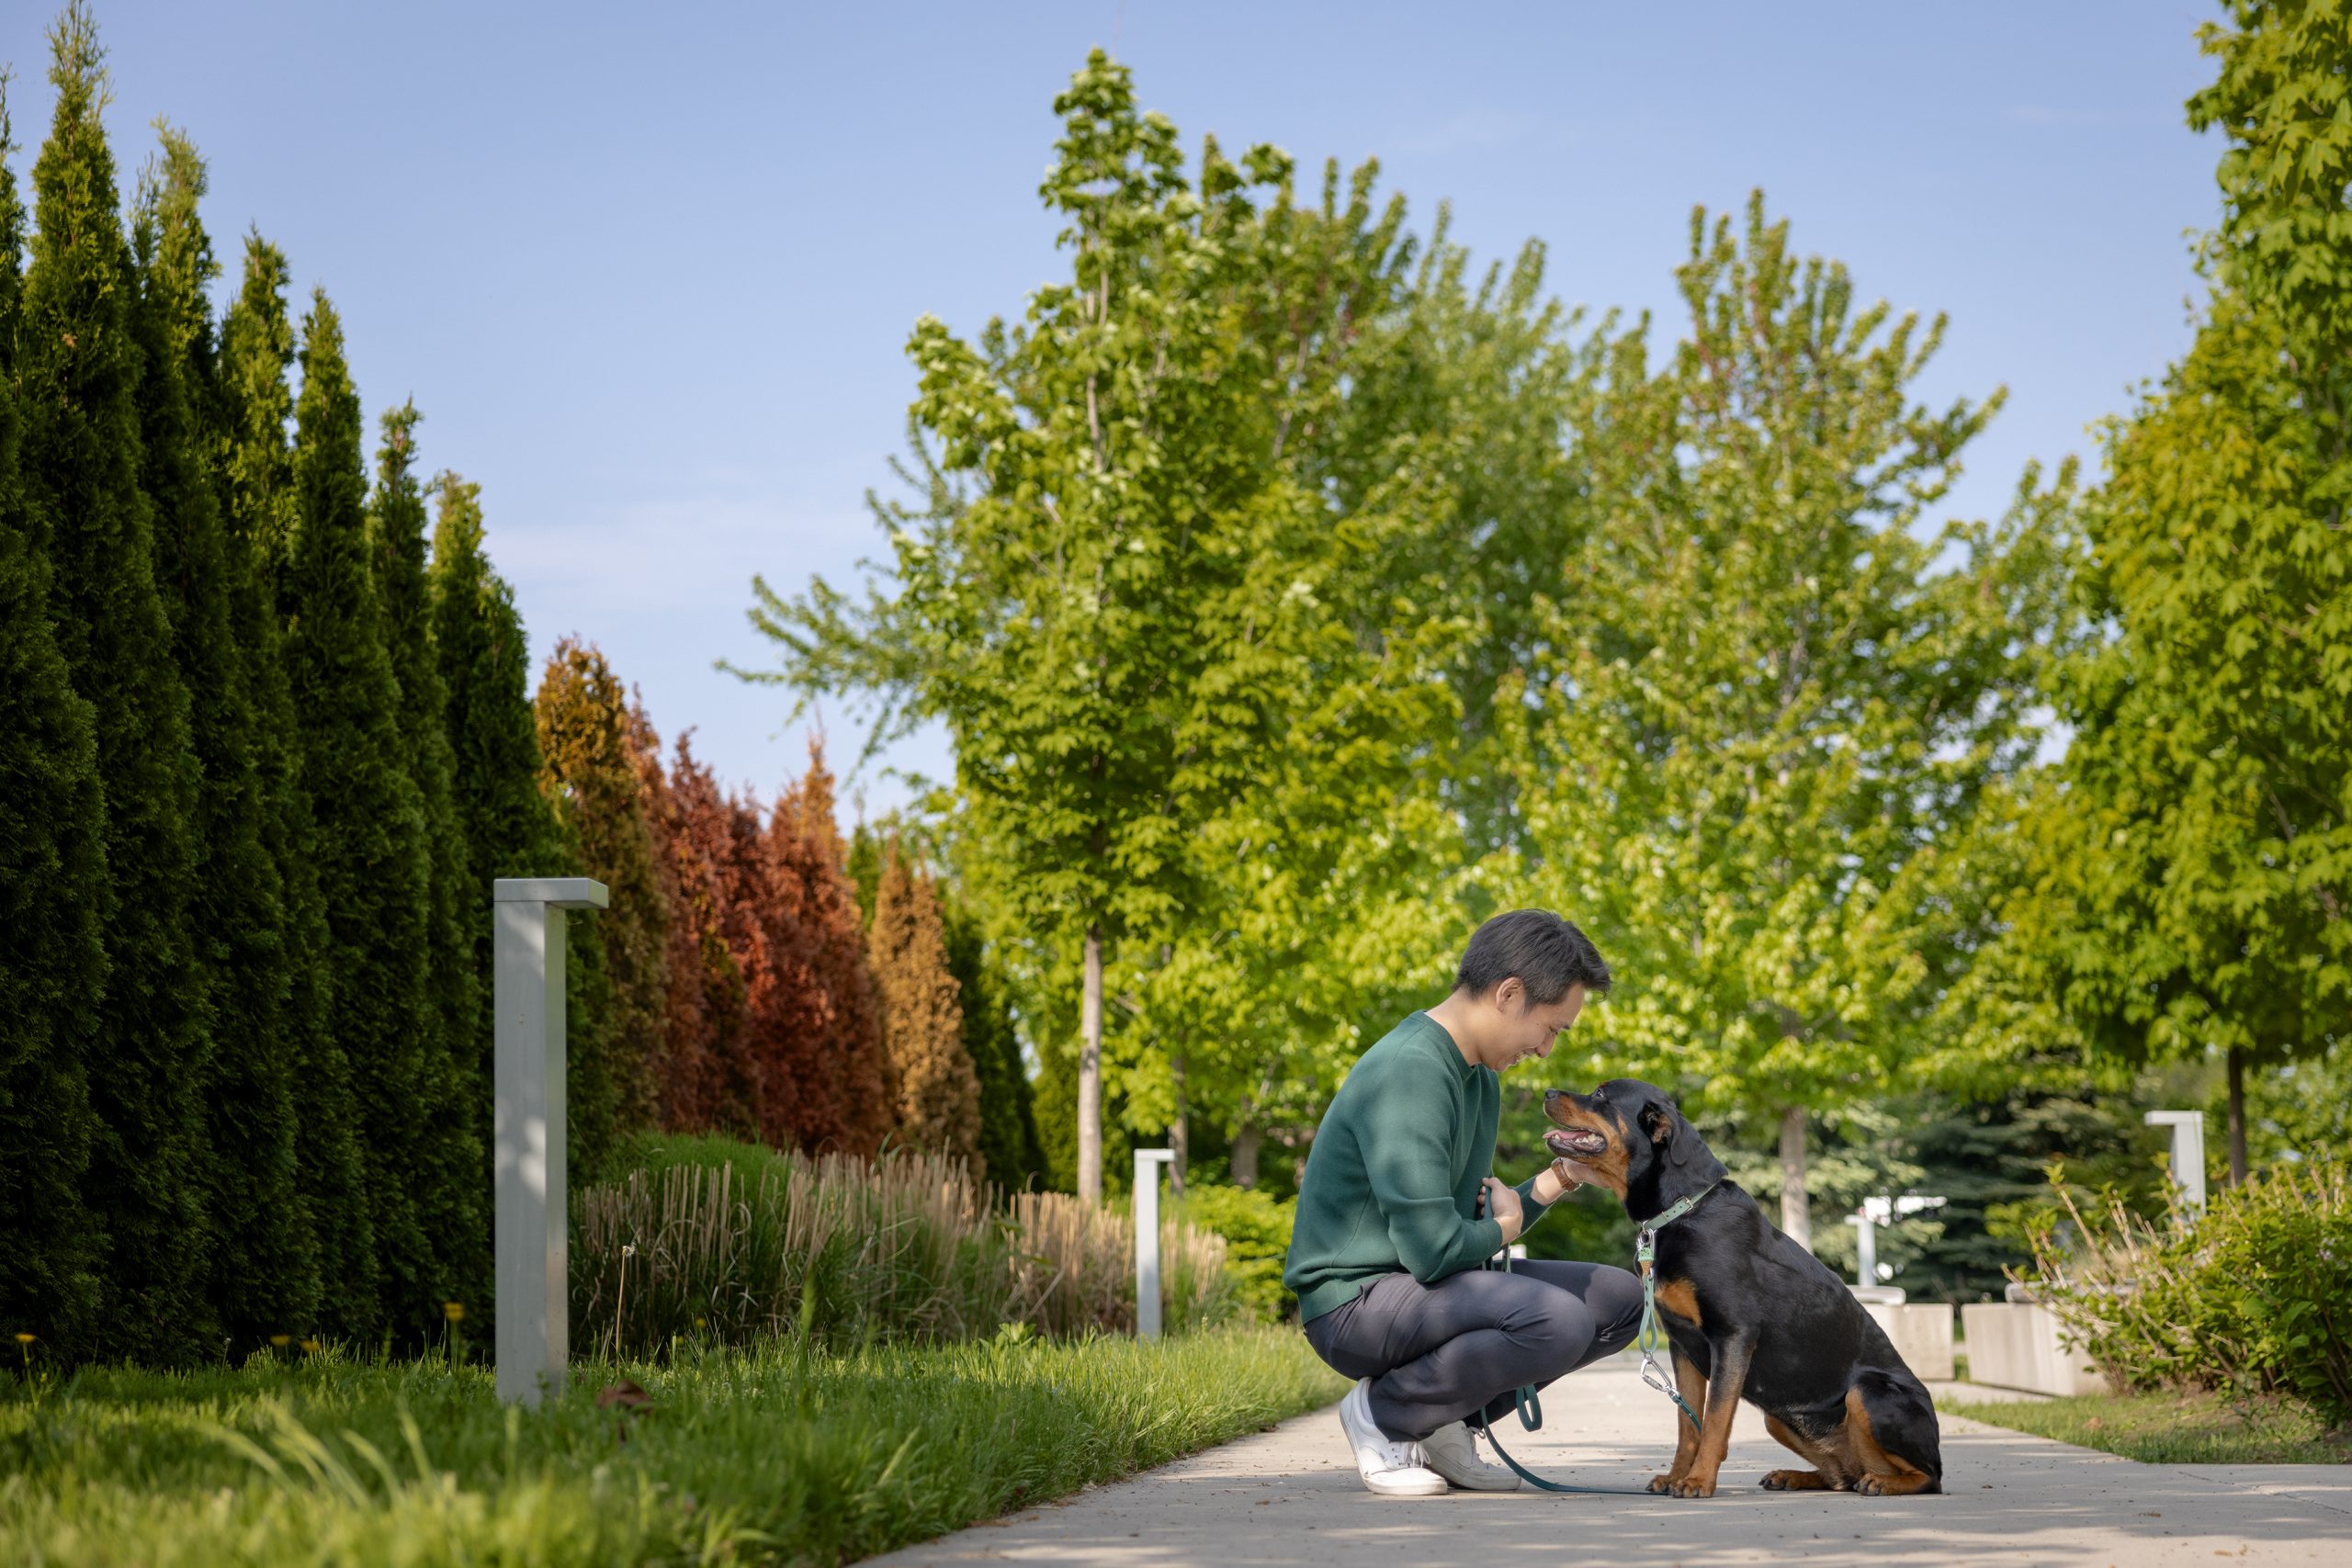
(1148, 1164)
(2187, 1153)
(531, 1233)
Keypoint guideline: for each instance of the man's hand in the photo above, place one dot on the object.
(1502, 1203)
(1556, 1181)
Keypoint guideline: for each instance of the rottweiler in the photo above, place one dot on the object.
(1750, 1314)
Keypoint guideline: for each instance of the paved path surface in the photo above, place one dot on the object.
(1290, 1497)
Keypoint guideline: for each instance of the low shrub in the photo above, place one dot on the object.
(2247, 1298)
(1256, 1230)
(715, 1243)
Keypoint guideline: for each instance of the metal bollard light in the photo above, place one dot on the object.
(2187, 1129)
(1148, 1164)
(532, 1231)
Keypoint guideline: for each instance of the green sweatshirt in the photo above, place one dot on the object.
(1392, 1176)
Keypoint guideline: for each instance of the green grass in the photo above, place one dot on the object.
(2167, 1428)
(744, 1456)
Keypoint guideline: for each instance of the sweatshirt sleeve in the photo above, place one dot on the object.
(1407, 1160)
(1536, 1209)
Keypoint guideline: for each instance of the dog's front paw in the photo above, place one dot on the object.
(1661, 1484)
(1695, 1486)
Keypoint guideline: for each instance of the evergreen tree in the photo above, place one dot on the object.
(510, 829)
(717, 1083)
(939, 1106)
(253, 467)
(1008, 1112)
(848, 1091)
(265, 1262)
(369, 840)
(53, 863)
(701, 982)
(589, 771)
(457, 1215)
(77, 373)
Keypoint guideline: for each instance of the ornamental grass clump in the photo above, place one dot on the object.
(2247, 1299)
(728, 1244)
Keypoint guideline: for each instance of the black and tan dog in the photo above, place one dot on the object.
(1750, 1314)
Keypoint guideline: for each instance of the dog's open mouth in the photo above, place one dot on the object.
(1575, 1143)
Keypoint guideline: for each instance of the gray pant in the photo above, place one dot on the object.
(1436, 1353)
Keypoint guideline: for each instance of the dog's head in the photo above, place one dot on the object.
(1628, 1136)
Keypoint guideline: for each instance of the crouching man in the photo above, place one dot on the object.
(1397, 1212)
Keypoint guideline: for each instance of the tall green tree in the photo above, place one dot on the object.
(1008, 1130)
(1772, 707)
(52, 864)
(264, 1260)
(1088, 603)
(251, 408)
(369, 839)
(510, 827)
(77, 377)
(2192, 860)
(396, 541)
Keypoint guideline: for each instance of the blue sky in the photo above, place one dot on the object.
(648, 270)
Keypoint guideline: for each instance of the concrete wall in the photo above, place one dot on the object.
(2017, 1345)
(1922, 1335)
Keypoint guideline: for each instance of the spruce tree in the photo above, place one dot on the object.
(264, 1274)
(939, 1104)
(253, 469)
(77, 373)
(589, 771)
(369, 838)
(53, 861)
(457, 1215)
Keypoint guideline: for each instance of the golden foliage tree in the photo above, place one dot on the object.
(922, 1020)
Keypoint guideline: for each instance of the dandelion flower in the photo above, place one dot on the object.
(281, 1340)
(453, 1311)
(24, 1339)
(310, 1347)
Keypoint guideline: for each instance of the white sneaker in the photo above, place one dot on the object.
(1451, 1451)
(1389, 1468)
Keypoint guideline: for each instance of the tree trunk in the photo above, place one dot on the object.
(1089, 1074)
(1179, 1135)
(1246, 1139)
(1796, 1216)
(2237, 1117)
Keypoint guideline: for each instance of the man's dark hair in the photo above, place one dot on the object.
(1544, 952)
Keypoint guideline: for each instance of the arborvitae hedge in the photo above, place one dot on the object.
(53, 853)
(265, 757)
(253, 467)
(589, 770)
(369, 840)
(264, 1275)
(849, 1092)
(77, 374)
(939, 1104)
(457, 1211)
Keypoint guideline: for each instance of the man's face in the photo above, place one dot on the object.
(1528, 1029)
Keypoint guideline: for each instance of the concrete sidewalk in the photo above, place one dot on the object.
(1290, 1497)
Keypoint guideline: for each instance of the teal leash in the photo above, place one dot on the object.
(1649, 1339)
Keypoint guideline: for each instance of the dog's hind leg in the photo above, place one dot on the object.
(1828, 1475)
(1892, 1434)
(1692, 1384)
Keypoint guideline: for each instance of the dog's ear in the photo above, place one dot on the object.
(1666, 1128)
